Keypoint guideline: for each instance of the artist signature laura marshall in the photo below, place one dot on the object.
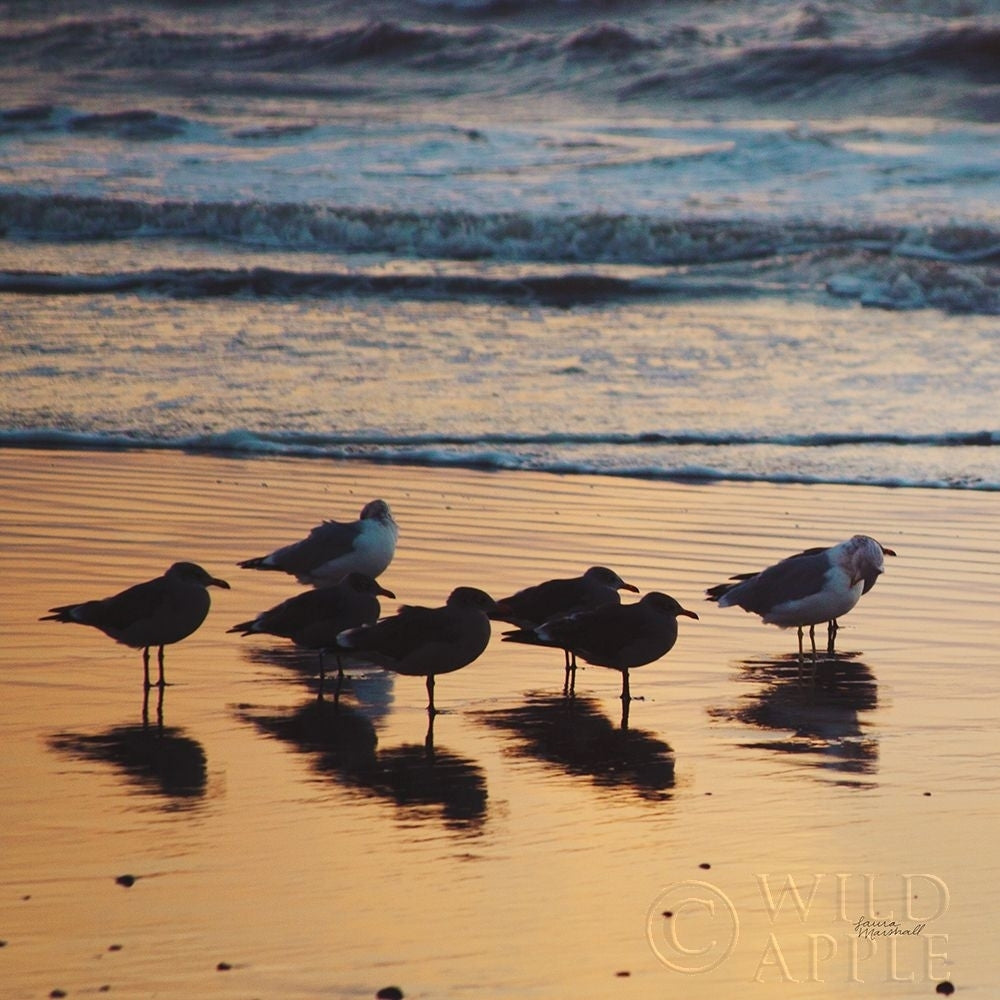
(871, 928)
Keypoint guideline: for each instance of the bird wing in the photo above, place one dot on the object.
(593, 634)
(411, 626)
(539, 603)
(325, 542)
(136, 604)
(283, 619)
(792, 579)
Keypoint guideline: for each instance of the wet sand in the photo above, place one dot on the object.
(535, 846)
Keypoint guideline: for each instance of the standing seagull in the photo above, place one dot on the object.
(334, 548)
(423, 642)
(619, 636)
(818, 585)
(536, 605)
(314, 618)
(156, 613)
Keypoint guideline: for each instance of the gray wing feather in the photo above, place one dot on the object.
(790, 580)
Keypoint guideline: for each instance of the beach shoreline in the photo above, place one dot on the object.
(739, 736)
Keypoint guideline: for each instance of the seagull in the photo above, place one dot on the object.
(314, 618)
(335, 548)
(619, 636)
(817, 585)
(533, 606)
(155, 613)
(423, 642)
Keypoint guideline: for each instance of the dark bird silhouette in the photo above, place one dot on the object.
(621, 637)
(535, 605)
(424, 642)
(334, 548)
(158, 612)
(314, 618)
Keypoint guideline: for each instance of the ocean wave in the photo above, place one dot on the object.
(459, 235)
(807, 58)
(802, 68)
(456, 235)
(562, 290)
(946, 267)
(138, 124)
(500, 453)
(916, 287)
(807, 54)
(132, 42)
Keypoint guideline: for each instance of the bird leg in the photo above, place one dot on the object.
(800, 647)
(322, 676)
(812, 639)
(145, 668)
(626, 693)
(431, 710)
(340, 679)
(162, 681)
(832, 629)
(569, 681)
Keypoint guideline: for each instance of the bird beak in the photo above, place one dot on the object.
(379, 589)
(630, 587)
(887, 552)
(690, 614)
(216, 582)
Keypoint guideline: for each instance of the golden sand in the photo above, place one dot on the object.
(533, 849)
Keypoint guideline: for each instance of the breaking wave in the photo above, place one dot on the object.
(519, 452)
(946, 267)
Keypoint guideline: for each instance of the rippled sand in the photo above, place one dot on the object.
(534, 847)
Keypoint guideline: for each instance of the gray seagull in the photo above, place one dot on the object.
(335, 548)
(314, 618)
(424, 642)
(158, 612)
(618, 636)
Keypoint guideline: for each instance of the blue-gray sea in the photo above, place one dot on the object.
(702, 240)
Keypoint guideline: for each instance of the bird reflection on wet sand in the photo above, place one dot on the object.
(372, 688)
(423, 778)
(156, 757)
(819, 716)
(575, 735)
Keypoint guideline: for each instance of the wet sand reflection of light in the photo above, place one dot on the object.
(156, 757)
(575, 735)
(818, 707)
(426, 780)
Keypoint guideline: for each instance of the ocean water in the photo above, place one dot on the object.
(750, 241)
